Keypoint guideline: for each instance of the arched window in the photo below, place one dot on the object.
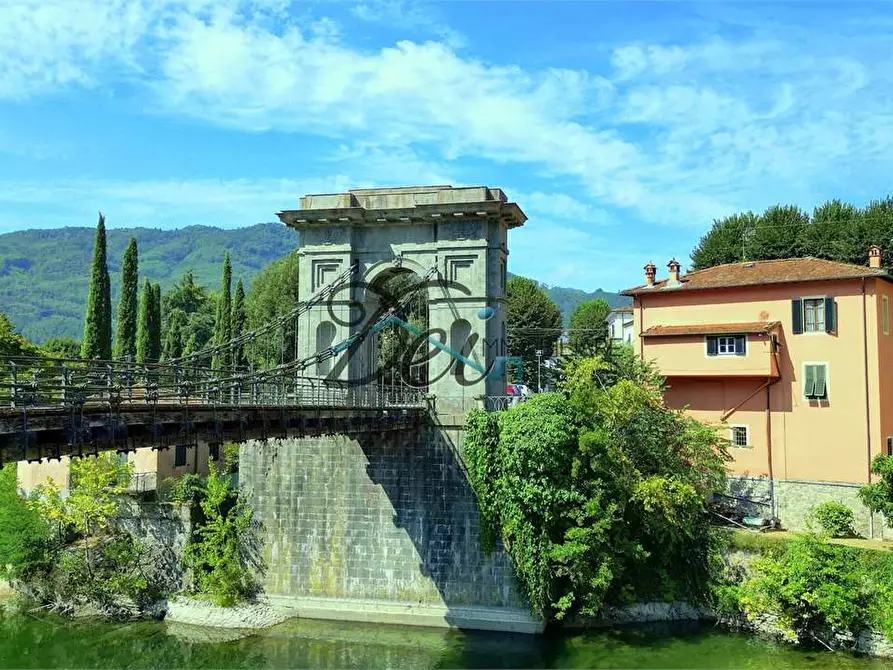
(460, 332)
(325, 338)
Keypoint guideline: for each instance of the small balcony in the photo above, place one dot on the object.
(713, 350)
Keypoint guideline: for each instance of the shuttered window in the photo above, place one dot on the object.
(179, 455)
(813, 315)
(726, 345)
(815, 386)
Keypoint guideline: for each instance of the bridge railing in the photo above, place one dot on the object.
(56, 383)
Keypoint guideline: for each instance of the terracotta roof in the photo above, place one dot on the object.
(755, 273)
(712, 329)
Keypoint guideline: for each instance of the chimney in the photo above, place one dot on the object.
(650, 273)
(874, 256)
(674, 267)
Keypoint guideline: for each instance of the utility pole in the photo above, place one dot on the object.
(539, 364)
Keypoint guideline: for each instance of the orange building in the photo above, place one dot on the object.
(793, 358)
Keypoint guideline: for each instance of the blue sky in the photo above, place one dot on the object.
(622, 129)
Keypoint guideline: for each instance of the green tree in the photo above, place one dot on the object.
(534, 323)
(216, 551)
(877, 219)
(223, 328)
(173, 340)
(273, 292)
(589, 328)
(125, 340)
(144, 324)
(61, 347)
(878, 496)
(193, 301)
(155, 331)
(599, 491)
(12, 343)
(778, 233)
(835, 233)
(239, 322)
(97, 342)
(725, 241)
(24, 535)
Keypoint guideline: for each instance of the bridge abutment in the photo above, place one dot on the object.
(381, 527)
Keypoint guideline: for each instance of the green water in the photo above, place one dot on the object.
(28, 642)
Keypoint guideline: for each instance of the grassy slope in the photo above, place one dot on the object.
(44, 273)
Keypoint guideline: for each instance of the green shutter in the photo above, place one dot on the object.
(796, 316)
(740, 345)
(809, 387)
(830, 316)
(820, 382)
(711, 345)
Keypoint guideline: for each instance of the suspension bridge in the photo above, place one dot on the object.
(352, 466)
(315, 367)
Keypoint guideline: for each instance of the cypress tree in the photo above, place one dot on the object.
(173, 341)
(239, 322)
(223, 327)
(144, 324)
(191, 345)
(155, 330)
(125, 339)
(97, 341)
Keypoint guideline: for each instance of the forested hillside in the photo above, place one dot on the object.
(44, 274)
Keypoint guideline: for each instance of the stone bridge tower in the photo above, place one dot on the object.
(461, 232)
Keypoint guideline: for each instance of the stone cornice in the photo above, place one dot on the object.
(508, 212)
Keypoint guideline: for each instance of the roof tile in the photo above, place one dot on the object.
(712, 329)
(755, 273)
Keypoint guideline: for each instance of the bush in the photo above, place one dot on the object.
(812, 587)
(834, 518)
(598, 492)
(24, 535)
(217, 550)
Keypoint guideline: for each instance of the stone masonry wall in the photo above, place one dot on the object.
(795, 498)
(164, 529)
(380, 516)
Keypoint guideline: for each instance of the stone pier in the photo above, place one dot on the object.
(378, 526)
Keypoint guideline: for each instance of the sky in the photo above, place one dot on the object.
(621, 129)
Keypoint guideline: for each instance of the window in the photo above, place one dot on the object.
(739, 436)
(814, 315)
(726, 345)
(890, 446)
(885, 303)
(179, 455)
(214, 448)
(816, 381)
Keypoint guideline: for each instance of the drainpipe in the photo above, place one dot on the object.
(641, 329)
(867, 398)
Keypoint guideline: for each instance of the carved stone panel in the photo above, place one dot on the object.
(461, 230)
(324, 272)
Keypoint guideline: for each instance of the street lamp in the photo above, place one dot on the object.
(539, 363)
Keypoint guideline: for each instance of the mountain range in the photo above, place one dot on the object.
(44, 274)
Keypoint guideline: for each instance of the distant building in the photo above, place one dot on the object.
(150, 466)
(620, 324)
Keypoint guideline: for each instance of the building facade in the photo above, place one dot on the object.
(793, 359)
(620, 325)
(150, 466)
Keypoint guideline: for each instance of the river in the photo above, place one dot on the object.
(49, 642)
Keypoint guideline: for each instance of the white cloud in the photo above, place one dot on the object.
(680, 134)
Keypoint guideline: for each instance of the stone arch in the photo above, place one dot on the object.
(325, 338)
(389, 346)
